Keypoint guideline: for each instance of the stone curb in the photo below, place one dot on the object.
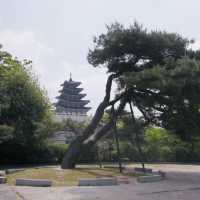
(2, 179)
(34, 182)
(98, 182)
(149, 178)
(11, 171)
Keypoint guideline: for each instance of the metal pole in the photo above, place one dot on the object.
(116, 138)
(98, 157)
(141, 156)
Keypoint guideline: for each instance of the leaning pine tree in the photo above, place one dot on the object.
(152, 74)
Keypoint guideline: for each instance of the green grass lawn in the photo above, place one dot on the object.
(62, 177)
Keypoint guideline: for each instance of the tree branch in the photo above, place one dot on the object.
(104, 130)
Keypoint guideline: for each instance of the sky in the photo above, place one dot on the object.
(57, 34)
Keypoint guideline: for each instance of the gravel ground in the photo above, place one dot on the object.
(182, 183)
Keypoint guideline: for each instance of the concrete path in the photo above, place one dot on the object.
(125, 192)
(182, 183)
(6, 193)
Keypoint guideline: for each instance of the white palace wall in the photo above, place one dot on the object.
(59, 117)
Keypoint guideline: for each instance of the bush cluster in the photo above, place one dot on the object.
(158, 145)
(46, 153)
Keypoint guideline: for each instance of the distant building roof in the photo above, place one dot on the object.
(71, 99)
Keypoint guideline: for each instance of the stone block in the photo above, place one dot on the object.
(11, 171)
(34, 182)
(150, 178)
(2, 179)
(97, 182)
(123, 180)
(2, 173)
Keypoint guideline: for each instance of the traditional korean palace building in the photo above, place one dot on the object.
(70, 104)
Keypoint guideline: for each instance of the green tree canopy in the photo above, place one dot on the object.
(134, 48)
(153, 68)
(152, 73)
(23, 104)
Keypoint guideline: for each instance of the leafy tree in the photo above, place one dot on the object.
(6, 133)
(168, 95)
(152, 75)
(23, 105)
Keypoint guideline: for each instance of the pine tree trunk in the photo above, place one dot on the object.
(106, 128)
(74, 151)
(72, 155)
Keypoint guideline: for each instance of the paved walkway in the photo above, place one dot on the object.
(6, 193)
(182, 183)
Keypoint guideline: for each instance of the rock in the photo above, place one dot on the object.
(150, 178)
(34, 182)
(98, 182)
(2, 179)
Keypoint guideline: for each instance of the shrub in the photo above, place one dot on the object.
(58, 151)
(89, 155)
(44, 153)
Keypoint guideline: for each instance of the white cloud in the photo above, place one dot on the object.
(28, 45)
(195, 45)
(50, 70)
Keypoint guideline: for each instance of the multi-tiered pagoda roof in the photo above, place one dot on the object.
(71, 100)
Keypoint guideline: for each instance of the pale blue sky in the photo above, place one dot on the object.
(56, 34)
